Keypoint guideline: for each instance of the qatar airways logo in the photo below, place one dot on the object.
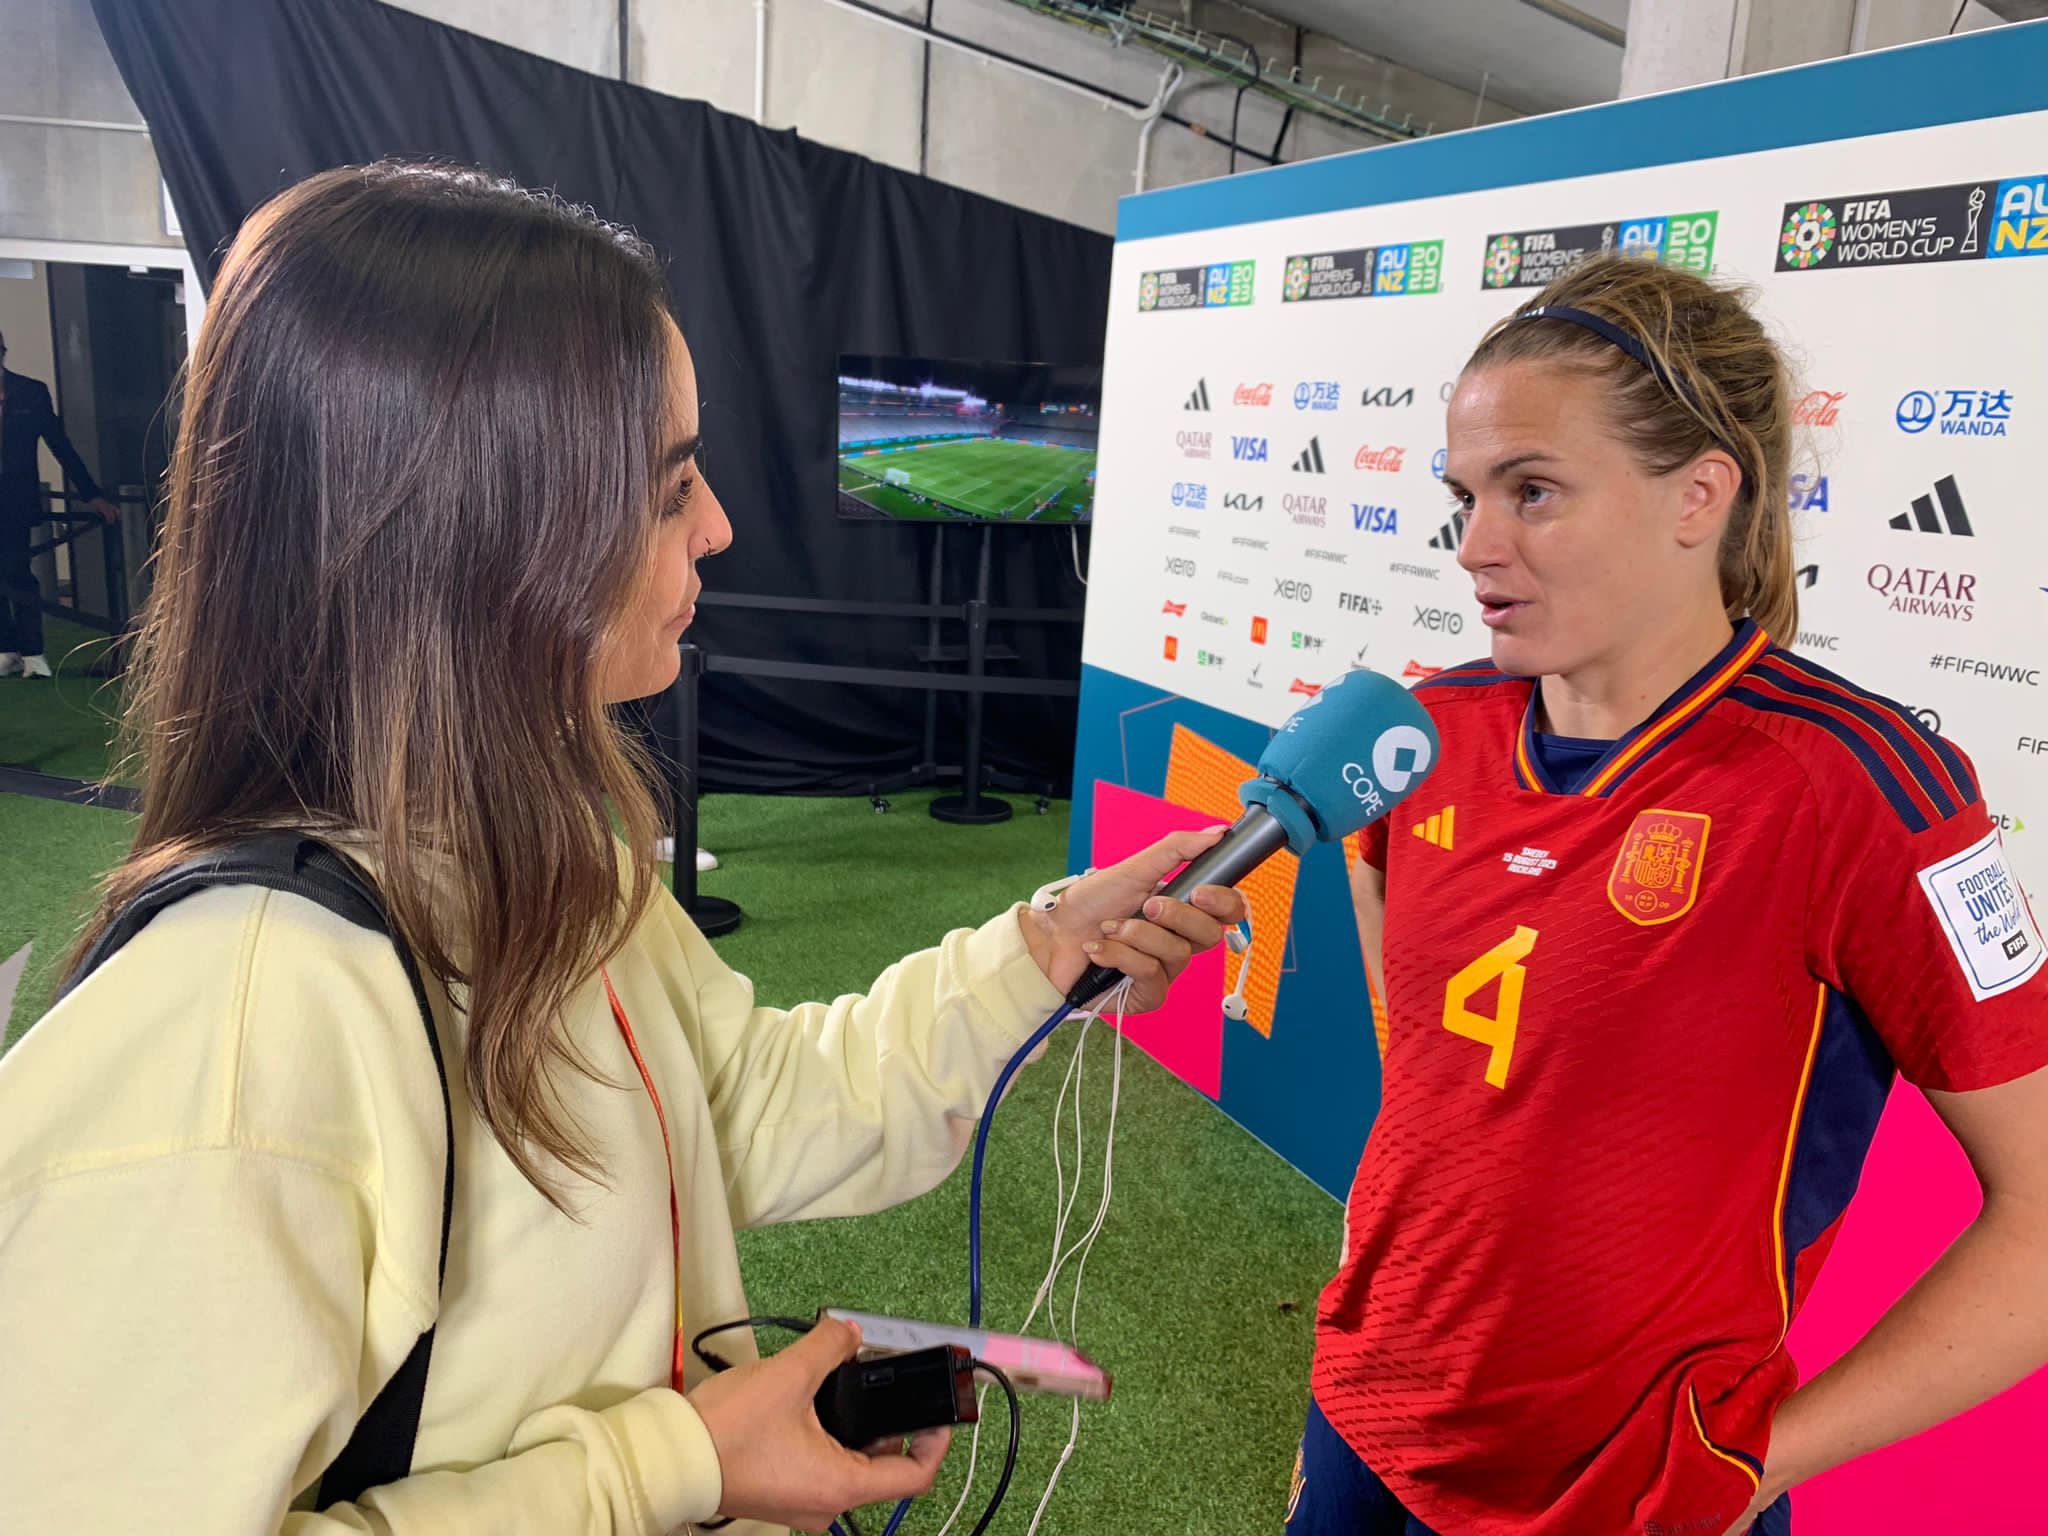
(1193, 445)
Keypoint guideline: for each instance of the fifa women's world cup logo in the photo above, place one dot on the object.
(1656, 875)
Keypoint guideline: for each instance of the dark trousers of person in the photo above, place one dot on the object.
(1336, 1494)
(21, 611)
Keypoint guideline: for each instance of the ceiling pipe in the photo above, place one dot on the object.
(1168, 84)
(761, 62)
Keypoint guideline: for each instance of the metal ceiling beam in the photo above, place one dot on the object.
(1572, 16)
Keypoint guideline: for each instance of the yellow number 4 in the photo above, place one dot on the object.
(1505, 961)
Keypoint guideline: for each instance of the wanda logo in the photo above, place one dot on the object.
(1820, 408)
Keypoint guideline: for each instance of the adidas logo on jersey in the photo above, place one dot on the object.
(1530, 861)
(1311, 460)
(1448, 536)
(1436, 831)
(1925, 518)
(1199, 400)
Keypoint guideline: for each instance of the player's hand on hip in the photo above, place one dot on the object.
(777, 1462)
(1093, 924)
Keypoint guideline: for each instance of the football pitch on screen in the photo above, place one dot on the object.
(990, 478)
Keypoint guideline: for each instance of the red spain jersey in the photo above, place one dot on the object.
(1638, 1040)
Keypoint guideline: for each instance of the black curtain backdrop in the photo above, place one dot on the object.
(782, 254)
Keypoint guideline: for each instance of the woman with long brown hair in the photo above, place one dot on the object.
(436, 505)
(1690, 903)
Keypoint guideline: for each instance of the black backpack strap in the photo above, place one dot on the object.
(380, 1450)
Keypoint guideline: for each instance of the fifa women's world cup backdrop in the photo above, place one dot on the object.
(1270, 512)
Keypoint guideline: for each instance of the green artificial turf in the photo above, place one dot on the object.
(1200, 1294)
(61, 725)
(987, 477)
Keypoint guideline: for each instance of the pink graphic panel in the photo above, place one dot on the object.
(1186, 1035)
(1978, 1472)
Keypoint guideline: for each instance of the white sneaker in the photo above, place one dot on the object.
(10, 663)
(35, 666)
(665, 850)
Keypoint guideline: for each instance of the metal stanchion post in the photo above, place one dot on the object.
(712, 914)
(971, 807)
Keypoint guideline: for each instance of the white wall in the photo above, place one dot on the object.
(853, 82)
(71, 183)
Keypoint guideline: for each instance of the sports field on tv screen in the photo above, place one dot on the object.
(986, 478)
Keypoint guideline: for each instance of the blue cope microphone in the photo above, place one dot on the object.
(1342, 761)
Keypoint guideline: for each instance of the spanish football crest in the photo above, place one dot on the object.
(1656, 875)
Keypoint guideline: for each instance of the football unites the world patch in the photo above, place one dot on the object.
(1656, 875)
(1984, 914)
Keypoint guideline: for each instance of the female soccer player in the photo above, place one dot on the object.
(1691, 901)
(436, 504)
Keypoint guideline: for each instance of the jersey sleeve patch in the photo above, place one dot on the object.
(1979, 906)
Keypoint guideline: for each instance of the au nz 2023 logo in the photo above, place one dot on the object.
(1220, 285)
(1532, 257)
(1965, 221)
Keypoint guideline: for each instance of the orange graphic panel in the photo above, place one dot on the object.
(1354, 851)
(1204, 777)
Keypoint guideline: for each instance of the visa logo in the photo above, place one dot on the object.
(1251, 449)
(1809, 493)
(1365, 519)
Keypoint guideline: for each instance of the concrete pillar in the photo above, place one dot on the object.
(1676, 43)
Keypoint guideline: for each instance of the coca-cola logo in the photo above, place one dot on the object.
(1385, 460)
(1820, 408)
(1252, 394)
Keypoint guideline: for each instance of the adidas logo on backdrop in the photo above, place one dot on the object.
(1199, 400)
(1311, 460)
(1927, 520)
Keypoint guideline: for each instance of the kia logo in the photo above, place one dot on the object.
(1915, 412)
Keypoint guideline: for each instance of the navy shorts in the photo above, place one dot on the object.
(1336, 1494)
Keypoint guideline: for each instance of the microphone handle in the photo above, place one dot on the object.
(1254, 838)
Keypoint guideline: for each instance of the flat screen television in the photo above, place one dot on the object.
(934, 440)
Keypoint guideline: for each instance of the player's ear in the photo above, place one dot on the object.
(1707, 490)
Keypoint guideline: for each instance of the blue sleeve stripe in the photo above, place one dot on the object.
(1845, 696)
(1888, 782)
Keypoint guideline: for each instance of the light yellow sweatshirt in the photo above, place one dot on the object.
(220, 1192)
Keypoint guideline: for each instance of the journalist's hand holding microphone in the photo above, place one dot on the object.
(1092, 924)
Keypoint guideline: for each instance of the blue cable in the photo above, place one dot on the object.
(988, 1114)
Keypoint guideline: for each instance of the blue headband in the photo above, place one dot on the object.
(1608, 331)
